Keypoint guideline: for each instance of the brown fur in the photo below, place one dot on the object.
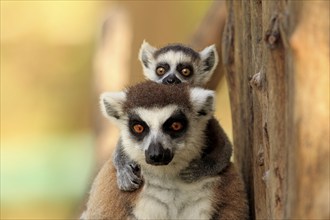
(230, 198)
(151, 94)
(106, 201)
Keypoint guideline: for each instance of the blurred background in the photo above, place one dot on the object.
(56, 58)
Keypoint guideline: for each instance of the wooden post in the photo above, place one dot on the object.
(276, 57)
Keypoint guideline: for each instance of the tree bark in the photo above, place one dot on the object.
(276, 57)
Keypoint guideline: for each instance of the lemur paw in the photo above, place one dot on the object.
(128, 178)
(193, 172)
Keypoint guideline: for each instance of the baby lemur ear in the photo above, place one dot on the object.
(112, 104)
(210, 59)
(202, 101)
(146, 54)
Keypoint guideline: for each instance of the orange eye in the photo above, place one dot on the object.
(176, 126)
(138, 128)
(185, 72)
(160, 71)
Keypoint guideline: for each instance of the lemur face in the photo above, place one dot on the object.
(158, 132)
(160, 124)
(176, 63)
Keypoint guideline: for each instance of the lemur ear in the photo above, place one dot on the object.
(210, 59)
(112, 104)
(146, 54)
(202, 101)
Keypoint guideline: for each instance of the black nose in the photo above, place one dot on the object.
(171, 79)
(157, 155)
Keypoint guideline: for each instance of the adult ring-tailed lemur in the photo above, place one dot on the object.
(164, 128)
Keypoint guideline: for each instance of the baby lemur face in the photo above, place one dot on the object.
(176, 63)
(160, 124)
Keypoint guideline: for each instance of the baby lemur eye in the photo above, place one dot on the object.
(162, 68)
(176, 126)
(160, 71)
(185, 71)
(138, 128)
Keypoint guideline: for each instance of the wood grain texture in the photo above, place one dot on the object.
(276, 57)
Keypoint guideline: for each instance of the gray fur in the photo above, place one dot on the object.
(128, 172)
(217, 153)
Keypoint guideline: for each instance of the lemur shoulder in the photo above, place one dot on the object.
(163, 128)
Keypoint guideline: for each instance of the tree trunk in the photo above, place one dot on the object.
(276, 57)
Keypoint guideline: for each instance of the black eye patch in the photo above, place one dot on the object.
(166, 66)
(182, 66)
(133, 121)
(169, 127)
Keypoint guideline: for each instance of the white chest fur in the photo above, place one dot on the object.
(168, 198)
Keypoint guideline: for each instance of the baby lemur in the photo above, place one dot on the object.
(174, 64)
(164, 128)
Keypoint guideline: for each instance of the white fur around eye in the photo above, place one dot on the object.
(174, 57)
(155, 117)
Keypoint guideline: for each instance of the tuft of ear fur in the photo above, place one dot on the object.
(202, 101)
(146, 54)
(210, 58)
(112, 104)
